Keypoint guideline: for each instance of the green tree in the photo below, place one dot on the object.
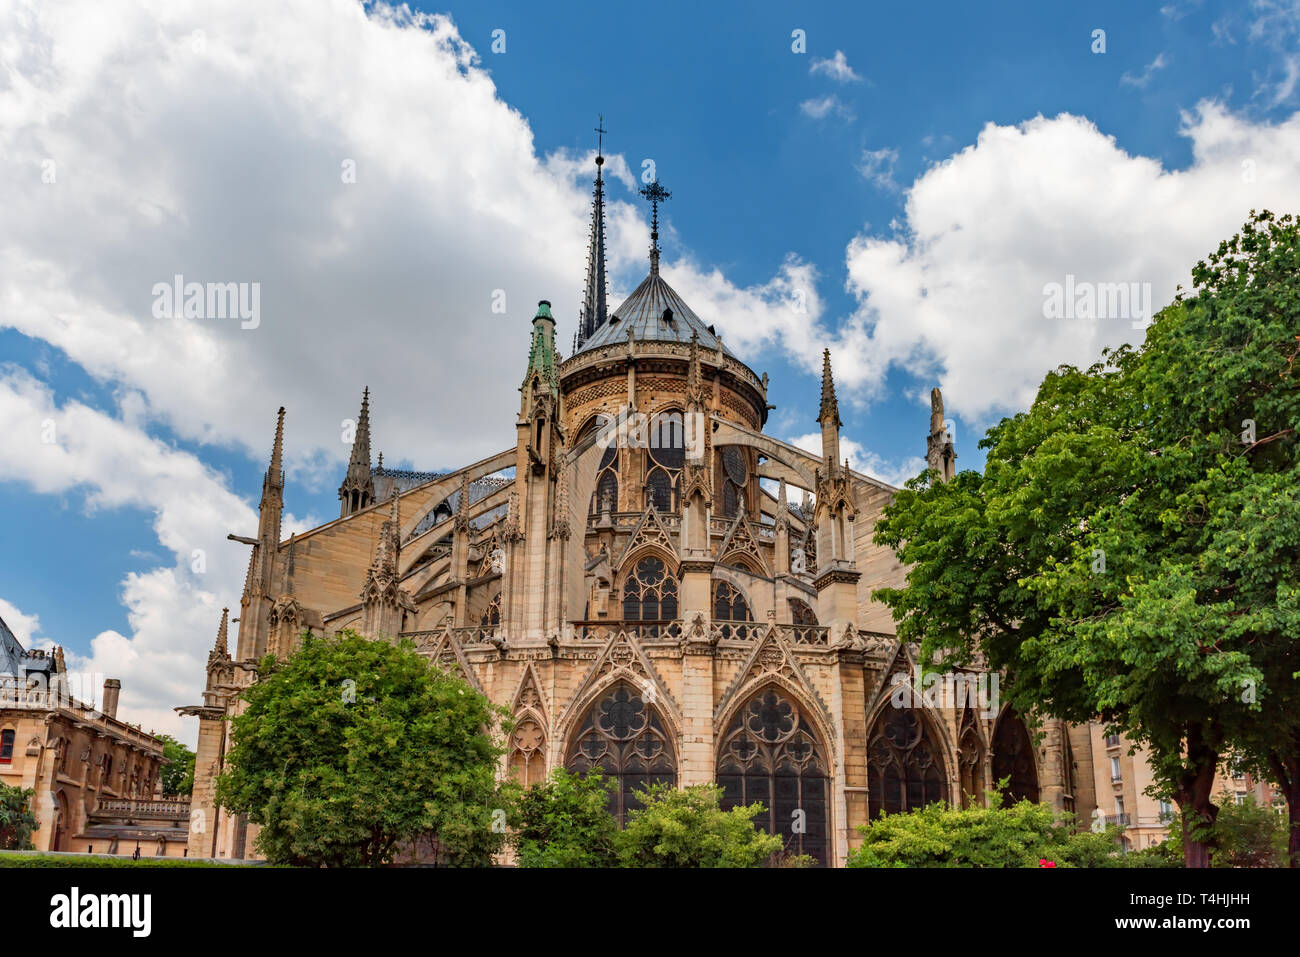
(1022, 835)
(565, 822)
(17, 820)
(178, 773)
(1129, 550)
(351, 748)
(688, 828)
(1248, 835)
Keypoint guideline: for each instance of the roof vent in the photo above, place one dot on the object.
(613, 320)
(712, 331)
(668, 316)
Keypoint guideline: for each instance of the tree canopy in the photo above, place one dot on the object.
(351, 748)
(1129, 552)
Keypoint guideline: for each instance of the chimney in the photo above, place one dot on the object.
(112, 688)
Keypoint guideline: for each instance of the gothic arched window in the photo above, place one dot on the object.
(492, 614)
(734, 476)
(528, 752)
(905, 767)
(659, 490)
(624, 738)
(606, 482)
(1013, 757)
(970, 761)
(801, 613)
(6, 746)
(770, 754)
(729, 605)
(649, 592)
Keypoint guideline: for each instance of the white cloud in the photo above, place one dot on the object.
(173, 610)
(1144, 78)
(823, 106)
(861, 459)
(836, 67)
(958, 297)
(26, 628)
(878, 167)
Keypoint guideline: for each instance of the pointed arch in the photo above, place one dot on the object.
(648, 589)
(907, 766)
(731, 609)
(771, 751)
(1014, 758)
(628, 739)
(972, 755)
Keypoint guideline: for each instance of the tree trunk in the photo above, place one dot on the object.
(1287, 769)
(1194, 798)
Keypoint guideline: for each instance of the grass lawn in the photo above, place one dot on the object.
(38, 859)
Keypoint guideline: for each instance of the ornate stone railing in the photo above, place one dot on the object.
(151, 809)
(602, 631)
(816, 635)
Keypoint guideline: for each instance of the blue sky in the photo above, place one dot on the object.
(917, 171)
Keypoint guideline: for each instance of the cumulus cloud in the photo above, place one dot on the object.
(957, 296)
(173, 610)
(878, 167)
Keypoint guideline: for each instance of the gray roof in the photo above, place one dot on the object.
(643, 313)
(17, 661)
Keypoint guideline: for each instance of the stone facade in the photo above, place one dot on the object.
(632, 576)
(95, 778)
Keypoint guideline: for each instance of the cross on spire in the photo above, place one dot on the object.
(600, 140)
(656, 194)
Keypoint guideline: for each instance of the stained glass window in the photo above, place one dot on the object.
(729, 606)
(649, 592)
(1013, 757)
(905, 767)
(624, 738)
(770, 754)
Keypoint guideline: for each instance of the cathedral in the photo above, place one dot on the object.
(652, 585)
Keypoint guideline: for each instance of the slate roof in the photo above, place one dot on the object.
(643, 313)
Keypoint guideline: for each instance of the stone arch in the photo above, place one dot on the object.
(972, 759)
(622, 733)
(1013, 756)
(731, 608)
(632, 573)
(897, 763)
(772, 750)
(810, 705)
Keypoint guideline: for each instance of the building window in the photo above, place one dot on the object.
(729, 606)
(606, 494)
(770, 755)
(1120, 817)
(624, 738)
(1013, 757)
(1116, 773)
(528, 752)
(659, 491)
(905, 769)
(649, 592)
(735, 473)
(6, 746)
(1166, 810)
(801, 613)
(492, 615)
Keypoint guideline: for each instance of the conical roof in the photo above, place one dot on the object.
(655, 313)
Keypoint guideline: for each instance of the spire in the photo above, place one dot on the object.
(940, 452)
(595, 308)
(541, 355)
(223, 636)
(275, 472)
(361, 444)
(358, 488)
(830, 407)
(656, 194)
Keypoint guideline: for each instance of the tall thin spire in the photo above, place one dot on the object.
(595, 307)
(223, 630)
(275, 472)
(358, 488)
(656, 194)
(830, 407)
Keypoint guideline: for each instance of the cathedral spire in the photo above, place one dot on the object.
(656, 194)
(358, 488)
(940, 452)
(223, 634)
(275, 472)
(595, 308)
(829, 415)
